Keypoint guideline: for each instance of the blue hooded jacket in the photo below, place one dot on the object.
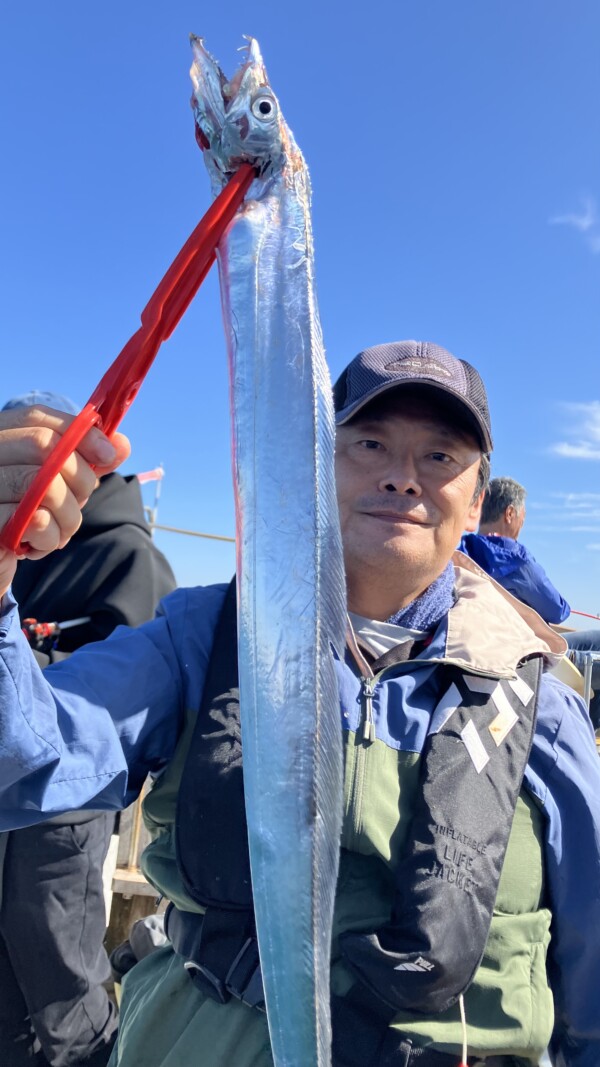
(510, 564)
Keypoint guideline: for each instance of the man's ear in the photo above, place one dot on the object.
(474, 513)
(510, 515)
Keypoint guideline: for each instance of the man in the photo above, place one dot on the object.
(497, 550)
(441, 847)
(54, 1009)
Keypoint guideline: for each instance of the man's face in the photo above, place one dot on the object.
(406, 480)
(520, 521)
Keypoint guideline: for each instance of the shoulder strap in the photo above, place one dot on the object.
(211, 834)
(472, 770)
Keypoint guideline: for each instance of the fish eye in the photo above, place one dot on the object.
(263, 107)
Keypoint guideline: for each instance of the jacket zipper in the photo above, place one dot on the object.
(368, 726)
(366, 736)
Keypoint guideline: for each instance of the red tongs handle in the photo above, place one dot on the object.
(119, 386)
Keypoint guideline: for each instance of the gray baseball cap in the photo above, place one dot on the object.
(401, 363)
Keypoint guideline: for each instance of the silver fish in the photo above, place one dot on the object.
(291, 591)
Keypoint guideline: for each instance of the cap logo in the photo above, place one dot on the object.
(420, 366)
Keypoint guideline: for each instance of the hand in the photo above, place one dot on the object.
(27, 436)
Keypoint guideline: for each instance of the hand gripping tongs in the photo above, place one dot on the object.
(119, 386)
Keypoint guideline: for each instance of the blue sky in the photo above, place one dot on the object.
(455, 157)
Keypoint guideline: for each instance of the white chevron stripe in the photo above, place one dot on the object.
(480, 685)
(450, 701)
(501, 726)
(501, 700)
(522, 690)
(474, 746)
(506, 718)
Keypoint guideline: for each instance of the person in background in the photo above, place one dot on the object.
(54, 1009)
(580, 642)
(500, 554)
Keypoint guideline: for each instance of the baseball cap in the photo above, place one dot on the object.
(384, 367)
(49, 400)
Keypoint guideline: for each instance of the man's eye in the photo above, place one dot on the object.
(369, 444)
(440, 457)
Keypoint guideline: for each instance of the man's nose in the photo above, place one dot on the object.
(401, 478)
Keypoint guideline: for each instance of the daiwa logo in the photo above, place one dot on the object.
(421, 366)
(417, 965)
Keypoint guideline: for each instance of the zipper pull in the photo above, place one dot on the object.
(463, 1021)
(368, 730)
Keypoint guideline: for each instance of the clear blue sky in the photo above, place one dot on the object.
(455, 155)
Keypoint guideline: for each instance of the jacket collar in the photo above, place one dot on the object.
(489, 631)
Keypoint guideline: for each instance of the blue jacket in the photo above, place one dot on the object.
(88, 730)
(510, 564)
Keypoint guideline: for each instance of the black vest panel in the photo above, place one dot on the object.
(211, 834)
(210, 830)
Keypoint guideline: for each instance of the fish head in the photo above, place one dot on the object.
(237, 121)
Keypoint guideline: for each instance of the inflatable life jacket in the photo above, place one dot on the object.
(447, 878)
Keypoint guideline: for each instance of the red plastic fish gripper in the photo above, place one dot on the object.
(119, 386)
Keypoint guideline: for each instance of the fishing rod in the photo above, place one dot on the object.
(191, 533)
(42, 636)
(119, 386)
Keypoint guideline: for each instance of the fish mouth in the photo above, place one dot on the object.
(210, 81)
(253, 63)
(237, 120)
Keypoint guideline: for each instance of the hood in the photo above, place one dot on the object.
(116, 501)
(498, 556)
(490, 631)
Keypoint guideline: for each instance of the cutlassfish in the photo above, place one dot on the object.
(291, 595)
